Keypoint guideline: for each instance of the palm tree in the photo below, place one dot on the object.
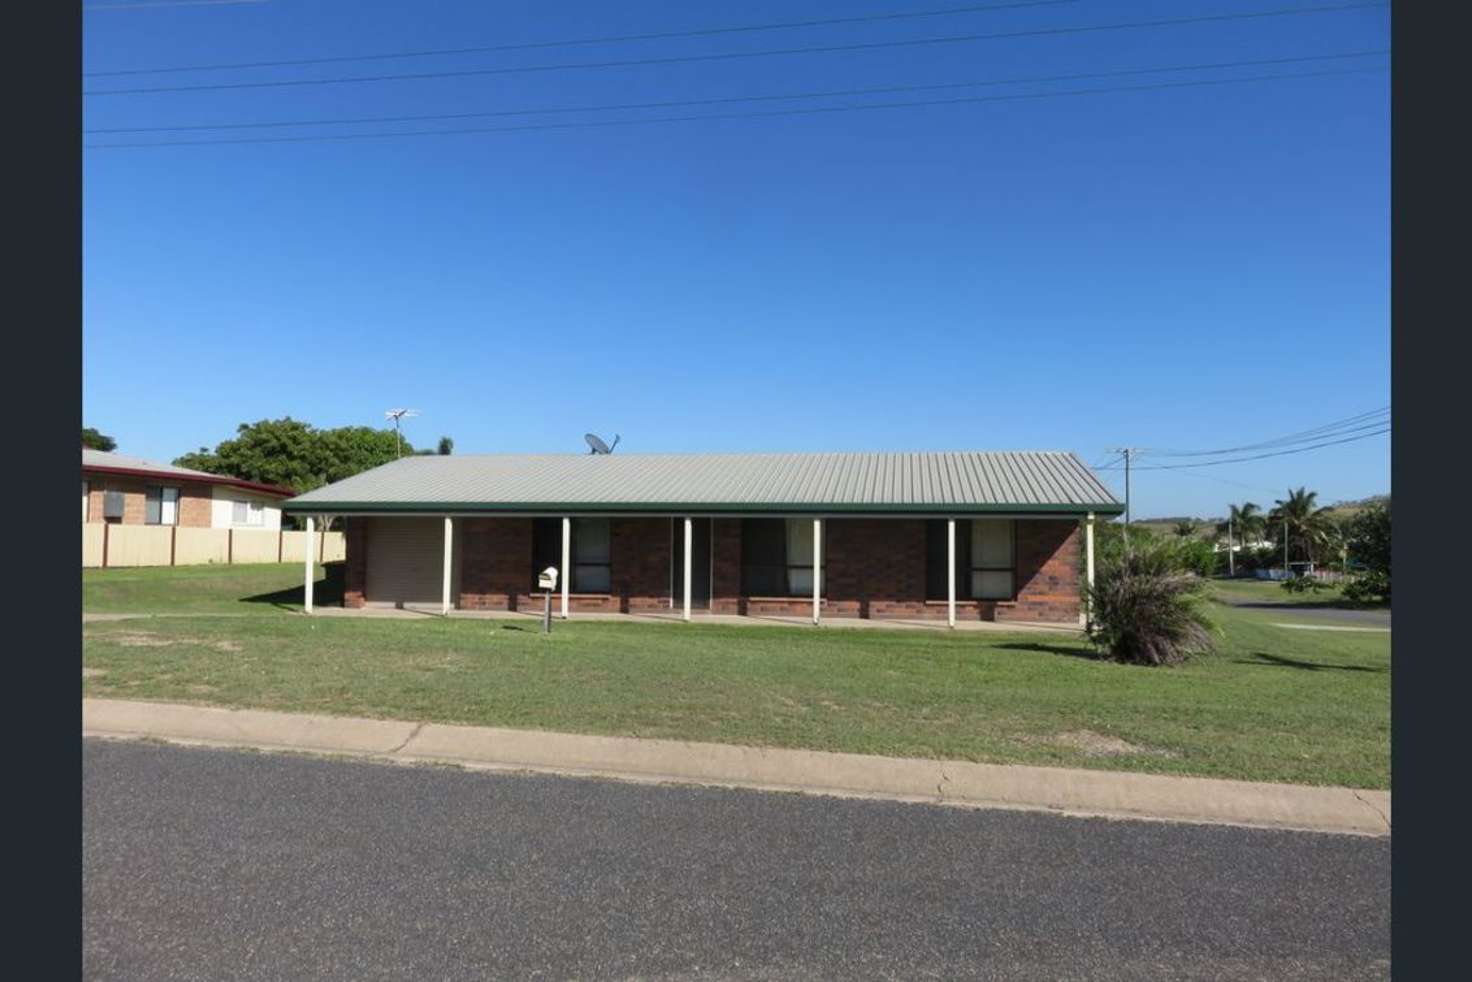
(1185, 528)
(1308, 526)
(1244, 522)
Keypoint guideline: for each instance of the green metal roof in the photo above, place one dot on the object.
(1044, 482)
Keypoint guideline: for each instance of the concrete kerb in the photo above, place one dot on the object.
(958, 783)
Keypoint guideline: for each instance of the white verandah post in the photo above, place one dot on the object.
(951, 572)
(311, 560)
(817, 568)
(449, 544)
(689, 540)
(1089, 567)
(566, 559)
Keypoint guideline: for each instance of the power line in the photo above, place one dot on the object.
(1348, 424)
(144, 4)
(1262, 456)
(890, 89)
(1224, 480)
(727, 56)
(807, 111)
(570, 42)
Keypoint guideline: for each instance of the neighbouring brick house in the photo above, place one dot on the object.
(980, 536)
(123, 490)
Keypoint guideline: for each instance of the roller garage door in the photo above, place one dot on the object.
(405, 561)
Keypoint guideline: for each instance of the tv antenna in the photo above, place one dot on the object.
(596, 444)
(398, 415)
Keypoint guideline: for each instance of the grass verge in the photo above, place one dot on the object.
(1275, 705)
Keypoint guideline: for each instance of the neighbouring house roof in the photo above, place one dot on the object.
(936, 483)
(116, 463)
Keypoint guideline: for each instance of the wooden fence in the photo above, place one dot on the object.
(105, 546)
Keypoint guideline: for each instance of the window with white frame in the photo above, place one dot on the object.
(160, 505)
(86, 502)
(247, 513)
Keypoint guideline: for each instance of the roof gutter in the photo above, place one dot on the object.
(692, 508)
(236, 482)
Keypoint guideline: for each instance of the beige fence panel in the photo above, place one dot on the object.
(91, 544)
(330, 546)
(293, 547)
(255, 546)
(164, 545)
(139, 545)
(198, 546)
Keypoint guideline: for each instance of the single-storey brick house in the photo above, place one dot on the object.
(981, 536)
(127, 490)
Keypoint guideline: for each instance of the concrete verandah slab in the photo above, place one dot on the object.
(1067, 790)
(410, 611)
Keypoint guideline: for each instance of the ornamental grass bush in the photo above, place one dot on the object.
(1148, 607)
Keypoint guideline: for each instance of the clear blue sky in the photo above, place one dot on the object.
(1186, 268)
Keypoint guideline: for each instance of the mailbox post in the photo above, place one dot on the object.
(547, 580)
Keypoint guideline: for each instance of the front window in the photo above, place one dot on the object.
(986, 559)
(591, 553)
(993, 559)
(777, 557)
(592, 568)
(160, 505)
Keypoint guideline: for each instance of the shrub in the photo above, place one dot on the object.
(1368, 587)
(1302, 584)
(1147, 607)
(1198, 556)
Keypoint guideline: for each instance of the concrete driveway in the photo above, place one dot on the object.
(221, 864)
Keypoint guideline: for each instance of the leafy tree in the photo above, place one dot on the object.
(1185, 528)
(1368, 542)
(295, 454)
(93, 440)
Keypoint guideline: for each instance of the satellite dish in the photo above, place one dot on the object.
(597, 446)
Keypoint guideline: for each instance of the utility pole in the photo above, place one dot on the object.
(1128, 452)
(1231, 559)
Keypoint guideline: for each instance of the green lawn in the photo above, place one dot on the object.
(1272, 592)
(1277, 705)
(243, 589)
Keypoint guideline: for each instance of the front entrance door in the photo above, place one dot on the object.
(699, 563)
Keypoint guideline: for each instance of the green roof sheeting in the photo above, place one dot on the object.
(1046, 482)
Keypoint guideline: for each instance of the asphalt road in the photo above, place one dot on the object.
(212, 864)
(1309, 612)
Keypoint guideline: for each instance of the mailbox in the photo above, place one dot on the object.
(547, 579)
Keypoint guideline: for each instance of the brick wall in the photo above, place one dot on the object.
(875, 568)
(641, 559)
(1047, 572)
(194, 498)
(496, 562)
